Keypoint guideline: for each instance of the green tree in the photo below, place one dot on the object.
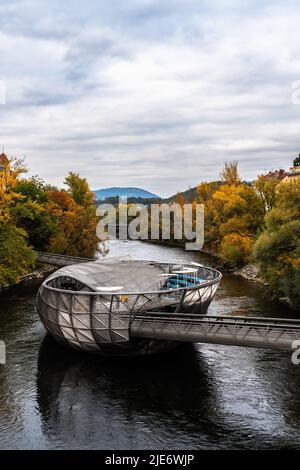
(296, 161)
(30, 212)
(267, 191)
(33, 189)
(16, 257)
(80, 191)
(86, 238)
(277, 250)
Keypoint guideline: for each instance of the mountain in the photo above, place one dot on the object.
(189, 195)
(101, 194)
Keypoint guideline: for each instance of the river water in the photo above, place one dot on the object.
(196, 397)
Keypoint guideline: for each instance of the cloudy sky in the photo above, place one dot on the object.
(150, 93)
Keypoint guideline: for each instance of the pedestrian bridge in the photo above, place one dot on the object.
(256, 332)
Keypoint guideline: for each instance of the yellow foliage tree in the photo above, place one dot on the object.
(10, 170)
(233, 216)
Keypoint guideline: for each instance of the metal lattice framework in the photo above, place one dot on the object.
(74, 311)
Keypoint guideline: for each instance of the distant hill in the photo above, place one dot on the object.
(189, 194)
(101, 194)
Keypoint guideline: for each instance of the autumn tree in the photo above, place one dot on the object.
(74, 214)
(16, 256)
(80, 191)
(10, 171)
(180, 199)
(277, 250)
(205, 192)
(233, 216)
(230, 174)
(78, 188)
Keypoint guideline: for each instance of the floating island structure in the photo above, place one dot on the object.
(94, 306)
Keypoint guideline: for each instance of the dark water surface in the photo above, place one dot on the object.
(201, 396)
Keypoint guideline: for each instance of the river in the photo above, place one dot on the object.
(197, 397)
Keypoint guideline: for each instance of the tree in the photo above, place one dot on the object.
(233, 216)
(16, 257)
(36, 216)
(32, 188)
(277, 250)
(30, 212)
(230, 174)
(79, 189)
(10, 171)
(180, 199)
(296, 161)
(86, 239)
(206, 190)
(236, 248)
(75, 232)
(266, 188)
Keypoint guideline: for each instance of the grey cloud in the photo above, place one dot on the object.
(147, 92)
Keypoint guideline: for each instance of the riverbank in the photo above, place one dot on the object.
(181, 244)
(39, 273)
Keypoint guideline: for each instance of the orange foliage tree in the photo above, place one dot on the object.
(75, 216)
(233, 216)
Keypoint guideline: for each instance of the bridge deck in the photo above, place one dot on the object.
(235, 331)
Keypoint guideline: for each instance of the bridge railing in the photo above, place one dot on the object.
(275, 333)
(60, 260)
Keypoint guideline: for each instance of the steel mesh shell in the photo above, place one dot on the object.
(76, 314)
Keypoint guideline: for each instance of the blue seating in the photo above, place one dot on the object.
(182, 280)
(186, 281)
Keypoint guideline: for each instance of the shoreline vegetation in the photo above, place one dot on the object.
(40, 272)
(253, 228)
(35, 216)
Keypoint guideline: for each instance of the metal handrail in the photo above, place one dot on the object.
(220, 318)
(203, 284)
(57, 255)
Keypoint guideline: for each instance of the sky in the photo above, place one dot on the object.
(150, 93)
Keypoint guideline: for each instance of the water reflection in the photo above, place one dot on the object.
(202, 396)
(129, 402)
